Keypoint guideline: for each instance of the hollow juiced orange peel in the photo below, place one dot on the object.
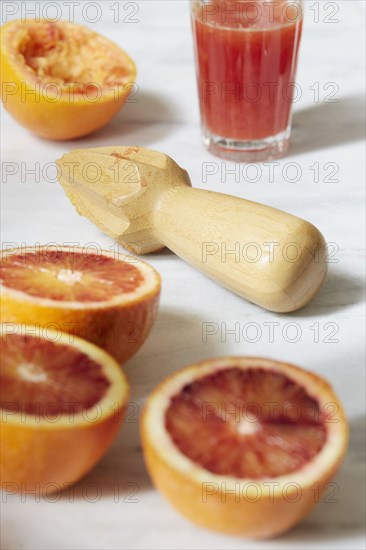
(62, 80)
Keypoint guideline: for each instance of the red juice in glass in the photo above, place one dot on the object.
(246, 56)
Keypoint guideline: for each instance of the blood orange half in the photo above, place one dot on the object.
(106, 298)
(243, 445)
(62, 403)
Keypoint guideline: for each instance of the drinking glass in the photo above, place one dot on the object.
(246, 55)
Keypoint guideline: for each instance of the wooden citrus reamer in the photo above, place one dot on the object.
(145, 201)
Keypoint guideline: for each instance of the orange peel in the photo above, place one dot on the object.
(62, 80)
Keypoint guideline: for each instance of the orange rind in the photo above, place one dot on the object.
(61, 80)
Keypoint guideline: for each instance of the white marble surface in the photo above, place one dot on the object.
(165, 117)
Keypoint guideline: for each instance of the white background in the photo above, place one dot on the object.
(165, 117)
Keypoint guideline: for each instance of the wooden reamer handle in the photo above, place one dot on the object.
(267, 256)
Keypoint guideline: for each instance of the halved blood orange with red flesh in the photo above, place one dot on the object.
(62, 401)
(61, 80)
(107, 298)
(240, 444)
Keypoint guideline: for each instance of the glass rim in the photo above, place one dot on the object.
(197, 4)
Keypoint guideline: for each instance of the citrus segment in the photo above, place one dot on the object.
(107, 298)
(62, 80)
(62, 402)
(243, 445)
